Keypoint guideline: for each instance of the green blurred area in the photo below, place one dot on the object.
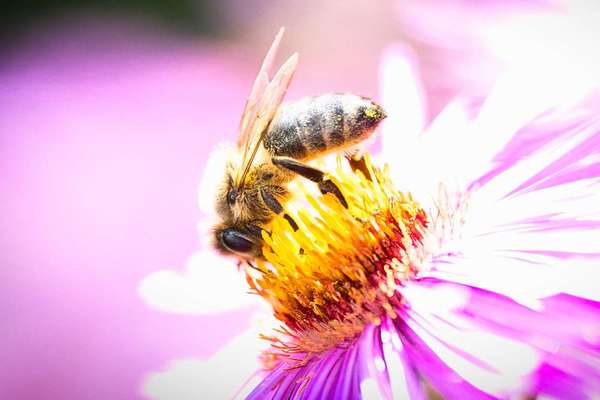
(198, 17)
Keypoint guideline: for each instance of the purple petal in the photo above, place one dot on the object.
(530, 139)
(334, 374)
(565, 333)
(431, 367)
(553, 382)
(572, 135)
(345, 373)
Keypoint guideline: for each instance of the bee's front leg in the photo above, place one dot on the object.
(325, 185)
(276, 207)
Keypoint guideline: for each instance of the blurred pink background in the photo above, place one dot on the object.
(105, 126)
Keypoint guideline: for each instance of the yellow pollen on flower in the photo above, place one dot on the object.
(340, 269)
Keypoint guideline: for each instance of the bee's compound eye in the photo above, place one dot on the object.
(236, 241)
(231, 196)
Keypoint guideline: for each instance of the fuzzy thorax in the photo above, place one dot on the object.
(340, 270)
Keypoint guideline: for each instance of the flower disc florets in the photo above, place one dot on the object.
(340, 269)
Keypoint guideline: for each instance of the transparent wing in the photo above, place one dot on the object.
(258, 89)
(262, 104)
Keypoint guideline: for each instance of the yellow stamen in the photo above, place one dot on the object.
(340, 270)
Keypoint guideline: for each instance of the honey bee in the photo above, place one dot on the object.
(275, 142)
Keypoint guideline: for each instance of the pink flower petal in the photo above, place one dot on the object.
(218, 377)
(209, 284)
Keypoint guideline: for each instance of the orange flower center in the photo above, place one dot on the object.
(339, 271)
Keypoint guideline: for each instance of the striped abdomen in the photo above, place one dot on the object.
(309, 127)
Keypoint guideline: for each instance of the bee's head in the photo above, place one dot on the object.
(241, 210)
(237, 202)
(228, 197)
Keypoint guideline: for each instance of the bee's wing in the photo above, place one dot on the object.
(262, 105)
(258, 89)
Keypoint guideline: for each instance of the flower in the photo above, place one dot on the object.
(467, 268)
(337, 272)
(482, 283)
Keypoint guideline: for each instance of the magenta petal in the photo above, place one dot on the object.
(551, 381)
(430, 367)
(331, 376)
(574, 130)
(324, 383)
(334, 374)
(584, 149)
(564, 319)
(566, 332)
(338, 373)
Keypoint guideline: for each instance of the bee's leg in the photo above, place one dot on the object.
(249, 264)
(357, 162)
(327, 186)
(254, 230)
(293, 223)
(276, 207)
(313, 174)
